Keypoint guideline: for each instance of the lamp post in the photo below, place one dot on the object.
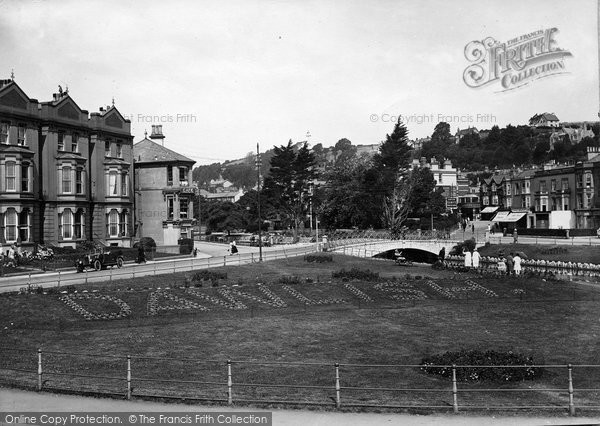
(258, 163)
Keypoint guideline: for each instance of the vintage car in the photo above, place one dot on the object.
(100, 260)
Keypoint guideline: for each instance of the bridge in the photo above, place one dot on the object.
(367, 247)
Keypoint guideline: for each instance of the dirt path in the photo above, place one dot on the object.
(16, 400)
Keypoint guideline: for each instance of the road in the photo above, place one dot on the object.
(12, 400)
(210, 255)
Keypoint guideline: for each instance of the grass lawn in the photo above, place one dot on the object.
(565, 253)
(422, 312)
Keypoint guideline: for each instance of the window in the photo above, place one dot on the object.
(553, 185)
(112, 183)
(183, 208)
(79, 181)
(67, 180)
(527, 202)
(124, 183)
(169, 175)
(24, 177)
(124, 220)
(67, 224)
(544, 204)
(78, 226)
(10, 176)
(10, 225)
(75, 143)
(565, 203)
(61, 141)
(24, 226)
(579, 180)
(4, 132)
(183, 176)
(527, 186)
(119, 150)
(564, 183)
(543, 186)
(508, 188)
(170, 208)
(588, 200)
(588, 179)
(107, 149)
(21, 135)
(113, 223)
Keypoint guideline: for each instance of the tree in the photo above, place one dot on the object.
(223, 216)
(441, 141)
(288, 184)
(390, 165)
(343, 151)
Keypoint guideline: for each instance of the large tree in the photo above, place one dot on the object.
(287, 187)
(390, 165)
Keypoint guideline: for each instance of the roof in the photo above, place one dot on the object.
(470, 130)
(148, 151)
(550, 116)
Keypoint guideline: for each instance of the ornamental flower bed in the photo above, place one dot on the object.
(302, 298)
(70, 301)
(355, 291)
(181, 304)
(440, 290)
(471, 287)
(491, 365)
(401, 291)
(229, 303)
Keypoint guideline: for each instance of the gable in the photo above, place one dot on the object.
(69, 111)
(13, 99)
(113, 120)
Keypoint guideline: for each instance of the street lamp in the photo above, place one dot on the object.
(258, 164)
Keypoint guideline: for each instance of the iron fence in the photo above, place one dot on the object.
(564, 387)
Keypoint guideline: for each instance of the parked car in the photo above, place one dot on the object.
(100, 260)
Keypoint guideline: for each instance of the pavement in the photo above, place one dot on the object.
(13, 400)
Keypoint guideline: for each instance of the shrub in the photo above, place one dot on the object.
(481, 363)
(356, 274)
(289, 279)
(186, 245)
(468, 245)
(147, 243)
(318, 258)
(205, 275)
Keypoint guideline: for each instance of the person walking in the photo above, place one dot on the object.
(476, 258)
(472, 228)
(517, 264)
(515, 236)
(233, 248)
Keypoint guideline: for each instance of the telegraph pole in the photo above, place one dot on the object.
(258, 164)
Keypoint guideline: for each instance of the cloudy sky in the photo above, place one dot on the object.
(221, 76)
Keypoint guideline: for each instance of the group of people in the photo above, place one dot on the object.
(510, 264)
(472, 259)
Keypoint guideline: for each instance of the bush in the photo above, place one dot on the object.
(205, 275)
(468, 245)
(318, 258)
(289, 279)
(356, 274)
(186, 245)
(481, 362)
(147, 243)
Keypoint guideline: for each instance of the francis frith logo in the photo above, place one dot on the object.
(515, 63)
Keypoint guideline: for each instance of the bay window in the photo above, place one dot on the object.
(113, 223)
(24, 225)
(10, 226)
(78, 224)
(21, 135)
(66, 224)
(124, 183)
(4, 132)
(123, 223)
(10, 176)
(67, 180)
(79, 181)
(112, 183)
(24, 177)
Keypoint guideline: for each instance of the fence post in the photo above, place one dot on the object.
(128, 376)
(571, 403)
(29, 280)
(39, 386)
(338, 402)
(454, 389)
(86, 275)
(58, 278)
(229, 384)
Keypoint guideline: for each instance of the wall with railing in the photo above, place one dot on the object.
(565, 388)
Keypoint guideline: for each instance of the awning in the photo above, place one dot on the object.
(501, 216)
(489, 210)
(514, 217)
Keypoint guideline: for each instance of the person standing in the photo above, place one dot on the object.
(509, 264)
(515, 236)
(476, 258)
(517, 264)
(468, 259)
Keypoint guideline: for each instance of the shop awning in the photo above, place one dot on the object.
(489, 210)
(514, 217)
(501, 217)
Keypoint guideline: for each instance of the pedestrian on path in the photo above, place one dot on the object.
(515, 236)
(509, 264)
(468, 259)
(517, 264)
(475, 258)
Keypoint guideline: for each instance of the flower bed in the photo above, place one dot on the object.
(70, 301)
(495, 366)
(154, 307)
(400, 291)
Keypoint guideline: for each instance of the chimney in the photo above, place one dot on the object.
(157, 133)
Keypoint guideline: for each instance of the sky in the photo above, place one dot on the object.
(222, 76)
